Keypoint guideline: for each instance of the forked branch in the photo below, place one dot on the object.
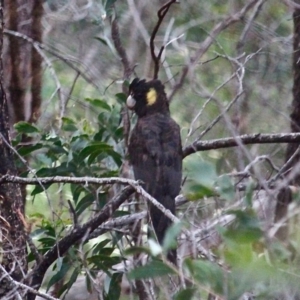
(156, 58)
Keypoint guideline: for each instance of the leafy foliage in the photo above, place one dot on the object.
(77, 149)
(245, 259)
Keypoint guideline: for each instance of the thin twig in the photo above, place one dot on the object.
(208, 42)
(33, 248)
(161, 14)
(25, 287)
(290, 163)
(53, 52)
(73, 212)
(65, 101)
(249, 22)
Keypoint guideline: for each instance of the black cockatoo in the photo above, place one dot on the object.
(155, 150)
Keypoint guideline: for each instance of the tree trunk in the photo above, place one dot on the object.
(22, 63)
(13, 240)
(284, 197)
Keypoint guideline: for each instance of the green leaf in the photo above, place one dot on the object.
(202, 172)
(114, 291)
(201, 180)
(207, 273)
(242, 235)
(186, 294)
(137, 250)
(116, 157)
(76, 191)
(101, 40)
(153, 269)
(121, 98)
(98, 247)
(104, 261)
(99, 103)
(70, 282)
(197, 191)
(245, 230)
(225, 188)
(69, 124)
(24, 127)
(84, 203)
(25, 150)
(246, 218)
(39, 189)
(249, 194)
(59, 275)
(96, 148)
(173, 231)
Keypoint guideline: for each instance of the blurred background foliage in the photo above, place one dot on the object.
(80, 133)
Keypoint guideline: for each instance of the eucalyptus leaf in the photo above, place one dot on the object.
(24, 127)
(153, 269)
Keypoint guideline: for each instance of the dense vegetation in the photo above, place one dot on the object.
(238, 58)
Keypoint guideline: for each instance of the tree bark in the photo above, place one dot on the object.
(284, 197)
(22, 63)
(13, 251)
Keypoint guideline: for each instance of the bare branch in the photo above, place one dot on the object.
(73, 213)
(246, 139)
(115, 34)
(249, 23)
(22, 286)
(161, 14)
(33, 248)
(53, 52)
(118, 222)
(208, 42)
(66, 179)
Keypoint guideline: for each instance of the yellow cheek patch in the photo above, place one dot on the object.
(151, 97)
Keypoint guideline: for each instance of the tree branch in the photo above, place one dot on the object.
(22, 286)
(127, 220)
(118, 222)
(115, 34)
(55, 53)
(127, 71)
(161, 14)
(246, 139)
(66, 179)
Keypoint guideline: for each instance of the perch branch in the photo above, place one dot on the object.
(246, 139)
